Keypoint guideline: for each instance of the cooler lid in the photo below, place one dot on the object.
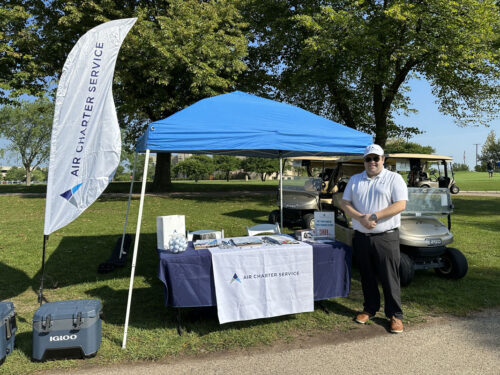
(89, 308)
(5, 309)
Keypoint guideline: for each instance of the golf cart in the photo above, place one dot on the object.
(420, 173)
(423, 237)
(302, 195)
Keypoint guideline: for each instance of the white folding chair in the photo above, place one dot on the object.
(204, 234)
(263, 228)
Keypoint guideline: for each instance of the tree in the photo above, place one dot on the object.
(351, 60)
(399, 145)
(490, 150)
(15, 174)
(195, 167)
(178, 52)
(226, 164)
(28, 127)
(460, 167)
(19, 74)
(264, 166)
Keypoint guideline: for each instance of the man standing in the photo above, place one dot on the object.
(489, 167)
(374, 200)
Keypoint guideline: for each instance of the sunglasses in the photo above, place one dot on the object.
(376, 159)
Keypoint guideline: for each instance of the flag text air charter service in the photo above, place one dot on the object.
(86, 144)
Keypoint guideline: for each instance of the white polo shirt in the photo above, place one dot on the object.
(370, 195)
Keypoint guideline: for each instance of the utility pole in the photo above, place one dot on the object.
(464, 156)
(477, 144)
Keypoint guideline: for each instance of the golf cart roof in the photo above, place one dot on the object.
(391, 158)
(318, 161)
(420, 156)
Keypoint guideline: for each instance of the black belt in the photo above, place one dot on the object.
(377, 234)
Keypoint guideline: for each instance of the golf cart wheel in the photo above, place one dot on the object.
(456, 265)
(406, 270)
(308, 221)
(274, 217)
(425, 186)
(454, 189)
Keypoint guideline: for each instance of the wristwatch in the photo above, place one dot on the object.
(373, 217)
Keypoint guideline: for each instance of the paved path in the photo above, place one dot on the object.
(443, 346)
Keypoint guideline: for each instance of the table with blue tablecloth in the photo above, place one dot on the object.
(188, 276)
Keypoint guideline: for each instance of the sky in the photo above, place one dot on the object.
(441, 132)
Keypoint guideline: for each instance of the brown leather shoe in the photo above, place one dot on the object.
(396, 325)
(363, 317)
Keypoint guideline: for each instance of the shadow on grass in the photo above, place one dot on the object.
(13, 282)
(76, 259)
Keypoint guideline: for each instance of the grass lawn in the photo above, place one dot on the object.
(477, 181)
(75, 251)
(177, 186)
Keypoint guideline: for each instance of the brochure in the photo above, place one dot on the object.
(246, 241)
(204, 244)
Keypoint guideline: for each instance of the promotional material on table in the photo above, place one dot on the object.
(324, 225)
(86, 143)
(166, 227)
(262, 282)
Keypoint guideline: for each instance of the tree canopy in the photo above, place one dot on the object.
(491, 149)
(195, 167)
(226, 164)
(28, 127)
(178, 52)
(351, 60)
(19, 73)
(399, 145)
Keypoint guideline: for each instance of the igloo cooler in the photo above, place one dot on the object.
(8, 329)
(67, 329)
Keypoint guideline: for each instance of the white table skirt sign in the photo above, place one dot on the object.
(262, 282)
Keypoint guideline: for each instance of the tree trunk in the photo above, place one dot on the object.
(227, 175)
(162, 181)
(28, 177)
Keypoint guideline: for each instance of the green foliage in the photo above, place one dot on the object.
(351, 60)
(490, 150)
(19, 74)
(196, 167)
(458, 167)
(264, 166)
(28, 127)
(15, 174)
(178, 52)
(226, 164)
(399, 145)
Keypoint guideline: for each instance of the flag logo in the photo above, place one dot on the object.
(235, 278)
(69, 195)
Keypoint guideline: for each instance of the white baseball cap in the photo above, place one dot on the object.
(373, 149)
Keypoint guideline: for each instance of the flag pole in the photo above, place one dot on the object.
(128, 206)
(136, 245)
(41, 298)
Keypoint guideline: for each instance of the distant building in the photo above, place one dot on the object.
(3, 171)
(177, 158)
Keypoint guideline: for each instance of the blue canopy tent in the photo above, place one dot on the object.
(247, 125)
(242, 124)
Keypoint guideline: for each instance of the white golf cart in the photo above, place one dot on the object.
(422, 170)
(423, 236)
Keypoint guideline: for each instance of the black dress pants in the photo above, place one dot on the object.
(378, 259)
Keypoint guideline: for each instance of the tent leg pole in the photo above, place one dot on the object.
(41, 298)
(136, 245)
(128, 206)
(281, 193)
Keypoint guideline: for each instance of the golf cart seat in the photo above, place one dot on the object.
(263, 228)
